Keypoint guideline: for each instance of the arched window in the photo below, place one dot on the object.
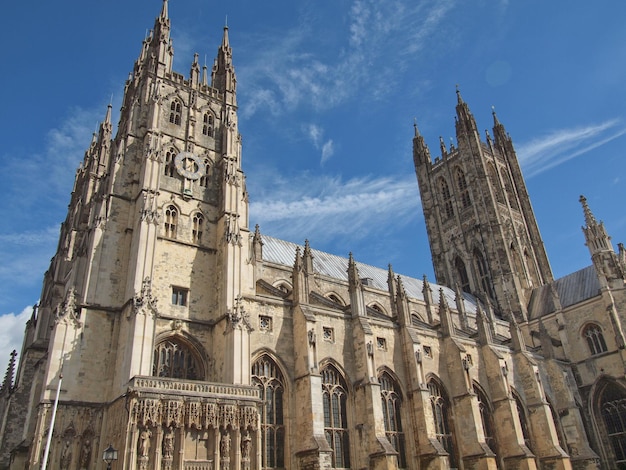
(483, 273)
(334, 395)
(595, 339)
(175, 112)
(446, 197)
(486, 418)
(462, 273)
(441, 412)
(267, 377)
(495, 184)
(521, 412)
(613, 412)
(170, 168)
(508, 184)
(335, 298)
(207, 124)
(174, 359)
(204, 179)
(392, 404)
(461, 184)
(198, 224)
(171, 221)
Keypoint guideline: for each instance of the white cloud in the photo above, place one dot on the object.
(559, 146)
(381, 37)
(12, 332)
(328, 151)
(325, 208)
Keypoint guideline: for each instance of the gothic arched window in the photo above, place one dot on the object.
(508, 184)
(613, 412)
(441, 413)
(196, 231)
(595, 339)
(171, 221)
(521, 412)
(483, 273)
(267, 377)
(446, 196)
(175, 359)
(392, 403)
(461, 184)
(486, 418)
(207, 124)
(335, 397)
(175, 112)
(170, 168)
(462, 273)
(495, 184)
(204, 179)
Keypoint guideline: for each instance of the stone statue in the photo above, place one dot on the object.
(66, 455)
(85, 455)
(145, 442)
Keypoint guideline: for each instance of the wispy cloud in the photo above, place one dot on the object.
(11, 333)
(559, 146)
(326, 208)
(316, 135)
(379, 39)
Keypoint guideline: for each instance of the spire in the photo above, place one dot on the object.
(442, 147)
(355, 288)
(7, 383)
(499, 132)
(428, 298)
(257, 244)
(517, 338)
(223, 75)
(393, 291)
(194, 73)
(483, 326)
(421, 153)
(159, 53)
(460, 306)
(444, 314)
(307, 258)
(164, 13)
(465, 124)
(605, 260)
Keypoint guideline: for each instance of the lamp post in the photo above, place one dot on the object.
(109, 456)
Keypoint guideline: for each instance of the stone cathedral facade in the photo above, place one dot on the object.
(171, 329)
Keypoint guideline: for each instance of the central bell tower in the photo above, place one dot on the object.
(481, 227)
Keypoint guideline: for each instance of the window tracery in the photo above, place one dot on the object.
(441, 410)
(197, 228)
(446, 196)
(461, 183)
(171, 221)
(174, 359)
(175, 112)
(595, 339)
(267, 377)
(334, 396)
(392, 404)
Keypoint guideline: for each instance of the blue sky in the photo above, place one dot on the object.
(328, 92)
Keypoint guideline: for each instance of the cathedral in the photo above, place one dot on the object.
(172, 334)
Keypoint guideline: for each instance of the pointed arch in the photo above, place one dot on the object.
(461, 184)
(592, 333)
(335, 400)
(377, 308)
(446, 197)
(495, 182)
(486, 417)
(441, 408)
(284, 286)
(169, 168)
(609, 412)
(171, 213)
(208, 122)
(333, 296)
(483, 273)
(523, 418)
(204, 178)
(178, 358)
(461, 271)
(268, 377)
(391, 397)
(176, 111)
(197, 226)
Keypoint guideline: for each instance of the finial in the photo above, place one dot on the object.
(226, 22)
(589, 218)
(111, 100)
(458, 94)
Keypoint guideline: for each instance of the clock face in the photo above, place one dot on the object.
(189, 165)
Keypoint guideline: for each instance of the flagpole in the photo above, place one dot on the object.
(51, 429)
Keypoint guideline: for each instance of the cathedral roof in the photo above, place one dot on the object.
(571, 289)
(283, 252)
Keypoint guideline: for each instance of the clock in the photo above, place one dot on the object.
(189, 165)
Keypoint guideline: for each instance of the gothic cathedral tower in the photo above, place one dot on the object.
(151, 271)
(482, 231)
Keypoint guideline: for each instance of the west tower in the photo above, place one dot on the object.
(149, 280)
(481, 227)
